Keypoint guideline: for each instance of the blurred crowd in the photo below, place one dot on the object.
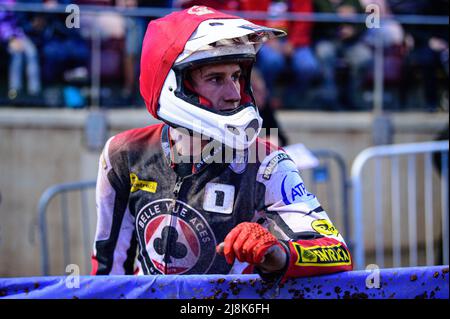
(319, 66)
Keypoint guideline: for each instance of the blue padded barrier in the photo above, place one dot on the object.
(395, 283)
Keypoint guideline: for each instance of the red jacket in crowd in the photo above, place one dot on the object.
(299, 32)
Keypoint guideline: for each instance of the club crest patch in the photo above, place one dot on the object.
(176, 237)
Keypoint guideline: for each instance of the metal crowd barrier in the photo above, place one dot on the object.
(337, 204)
(46, 197)
(397, 183)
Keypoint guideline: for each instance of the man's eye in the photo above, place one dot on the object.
(214, 80)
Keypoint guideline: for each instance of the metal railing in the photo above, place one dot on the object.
(44, 201)
(322, 174)
(396, 184)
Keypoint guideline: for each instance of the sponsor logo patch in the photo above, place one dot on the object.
(199, 10)
(293, 189)
(322, 256)
(273, 164)
(324, 227)
(146, 186)
(219, 198)
(103, 161)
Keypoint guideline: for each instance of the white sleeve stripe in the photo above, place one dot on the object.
(123, 244)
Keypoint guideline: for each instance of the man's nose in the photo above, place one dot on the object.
(232, 92)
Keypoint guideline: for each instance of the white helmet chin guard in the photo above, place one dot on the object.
(216, 41)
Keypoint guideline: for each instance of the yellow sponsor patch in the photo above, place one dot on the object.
(146, 186)
(322, 256)
(324, 227)
(103, 161)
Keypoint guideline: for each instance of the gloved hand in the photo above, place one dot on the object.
(252, 243)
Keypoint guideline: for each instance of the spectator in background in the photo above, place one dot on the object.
(216, 4)
(427, 47)
(20, 48)
(66, 55)
(104, 30)
(391, 31)
(339, 48)
(277, 136)
(280, 55)
(134, 33)
(63, 53)
(120, 39)
(392, 37)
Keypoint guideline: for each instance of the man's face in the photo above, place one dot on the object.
(219, 83)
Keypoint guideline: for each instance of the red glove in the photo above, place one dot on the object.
(248, 242)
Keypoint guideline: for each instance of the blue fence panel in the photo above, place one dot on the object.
(394, 283)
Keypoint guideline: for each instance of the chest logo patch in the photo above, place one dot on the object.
(146, 186)
(219, 198)
(174, 239)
